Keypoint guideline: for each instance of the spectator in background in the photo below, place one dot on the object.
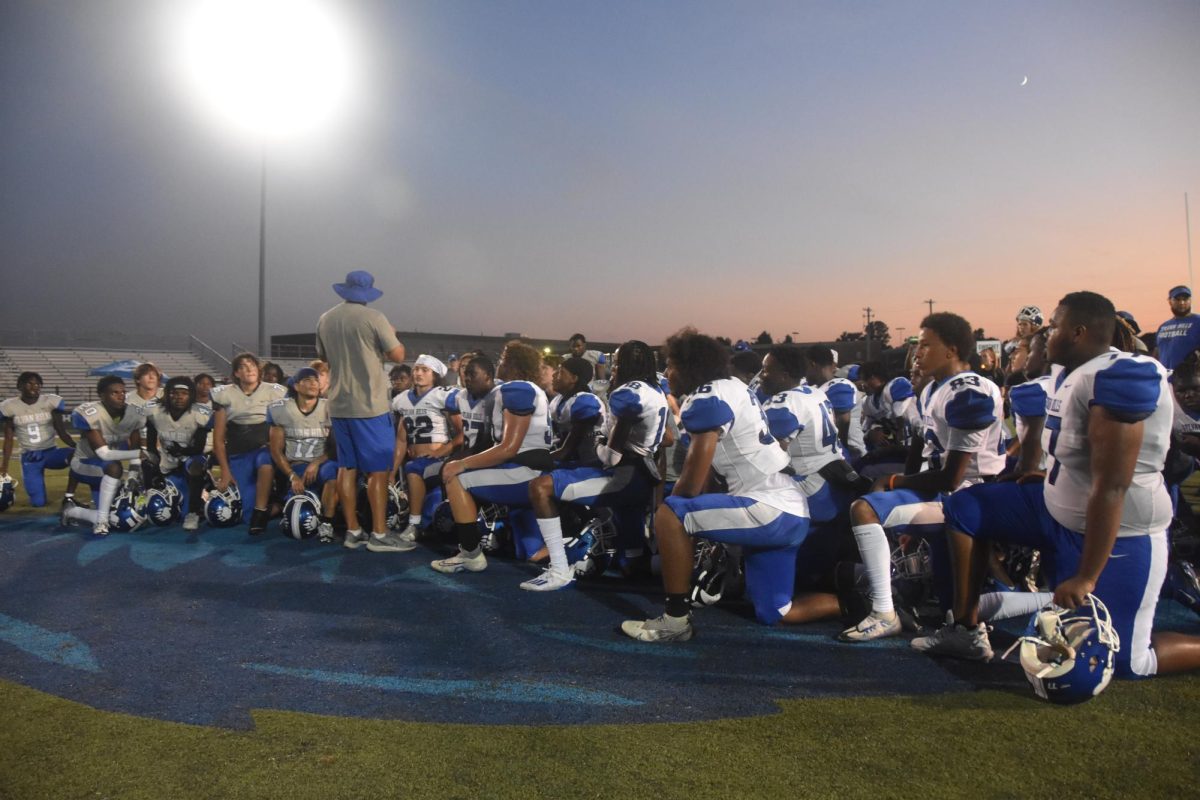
(1180, 335)
(452, 379)
(356, 341)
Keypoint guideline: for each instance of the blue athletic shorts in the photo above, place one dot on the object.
(365, 444)
(1128, 586)
(506, 484)
(903, 511)
(626, 485)
(769, 539)
(429, 468)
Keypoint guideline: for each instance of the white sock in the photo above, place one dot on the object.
(1005, 605)
(877, 560)
(551, 530)
(85, 514)
(108, 490)
(414, 520)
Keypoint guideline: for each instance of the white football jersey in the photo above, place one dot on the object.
(246, 409)
(579, 407)
(964, 413)
(802, 419)
(94, 416)
(645, 407)
(33, 422)
(843, 397)
(177, 431)
(1130, 387)
(890, 406)
(523, 399)
(424, 417)
(304, 435)
(747, 456)
(1028, 401)
(473, 411)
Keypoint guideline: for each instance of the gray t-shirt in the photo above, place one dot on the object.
(354, 340)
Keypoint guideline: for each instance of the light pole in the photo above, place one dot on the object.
(262, 260)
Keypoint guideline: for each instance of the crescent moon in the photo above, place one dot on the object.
(1025, 80)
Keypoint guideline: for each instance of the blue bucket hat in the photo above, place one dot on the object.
(358, 288)
(1177, 291)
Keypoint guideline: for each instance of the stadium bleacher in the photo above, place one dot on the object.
(64, 370)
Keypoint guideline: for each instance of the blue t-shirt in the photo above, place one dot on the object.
(1177, 338)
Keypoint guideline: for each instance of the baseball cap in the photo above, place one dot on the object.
(1179, 291)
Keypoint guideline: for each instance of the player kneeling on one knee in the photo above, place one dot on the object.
(764, 511)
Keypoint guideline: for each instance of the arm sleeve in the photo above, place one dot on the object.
(385, 334)
(1129, 389)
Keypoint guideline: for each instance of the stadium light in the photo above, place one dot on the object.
(267, 71)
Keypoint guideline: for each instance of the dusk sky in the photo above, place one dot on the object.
(619, 168)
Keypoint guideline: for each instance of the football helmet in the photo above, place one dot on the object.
(713, 569)
(1068, 655)
(127, 512)
(164, 505)
(223, 509)
(914, 563)
(397, 509)
(301, 516)
(8, 492)
(591, 551)
(494, 518)
(1031, 314)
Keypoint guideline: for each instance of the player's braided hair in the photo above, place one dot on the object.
(1123, 335)
(634, 362)
(697, 359)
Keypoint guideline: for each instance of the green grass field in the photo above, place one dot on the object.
(1137, 740)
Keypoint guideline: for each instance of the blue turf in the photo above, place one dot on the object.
(203, 628)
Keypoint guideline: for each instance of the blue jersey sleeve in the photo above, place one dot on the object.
(81, 422)
(783, 423)
(625, 403)
(841, 396)
(586, 407)
(1028, 400)
(902, 389)
(518, 397)
(970, 411)
(706, 414)
(662, 384)
(452, 402)
(1129, 389)
(270, 416)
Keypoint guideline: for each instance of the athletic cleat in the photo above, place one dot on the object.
(461, 562)
(956, 641)
(325, 533)
(409, 534)
(67, 505)
(100, 529)
(355, 539)
(872, 627)
(258, 521)
(549, 581)
(660, 629)
(390, 542)
(191, 522)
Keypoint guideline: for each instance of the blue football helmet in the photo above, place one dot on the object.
(301, 516)
(591, 552)
(127, 512)
(164, 505)
(1068, 655)
(223, 509)
(8, 492)
(494, 519)
(397, 508)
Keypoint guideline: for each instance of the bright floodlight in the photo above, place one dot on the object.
(268, 68)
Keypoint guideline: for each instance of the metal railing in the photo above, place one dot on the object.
(202, 350)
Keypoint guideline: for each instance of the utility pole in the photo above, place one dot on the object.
(930, 302)
(868, 331)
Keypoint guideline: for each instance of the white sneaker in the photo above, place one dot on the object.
(549, 581)
(100, 529)
(873, 626)
(660, 629)
(67, 504)
(956, 641)
(461, 562)
(409, 534)
(191, 522)
(390, 542)
(325, 532)
(355, 540)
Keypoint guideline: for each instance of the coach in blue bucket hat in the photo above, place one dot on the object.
(358, 288)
